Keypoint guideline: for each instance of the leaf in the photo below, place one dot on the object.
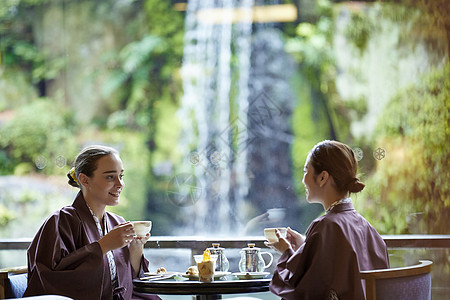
(135, 54)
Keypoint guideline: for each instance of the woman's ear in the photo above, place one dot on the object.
(83, 179)
(323, 178)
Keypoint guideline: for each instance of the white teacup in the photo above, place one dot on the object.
(141, 228)
(271, 236)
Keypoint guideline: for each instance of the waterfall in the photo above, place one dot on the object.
(212, 116)
(220, 92)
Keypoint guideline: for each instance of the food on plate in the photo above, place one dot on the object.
(192, 270)
(161, 270)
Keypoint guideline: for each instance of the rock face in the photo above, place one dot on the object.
(270, 110)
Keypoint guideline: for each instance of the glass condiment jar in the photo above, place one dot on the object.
(252, 261)
(222, 264)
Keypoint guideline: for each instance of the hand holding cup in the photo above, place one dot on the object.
(271, 236)
(276, 240)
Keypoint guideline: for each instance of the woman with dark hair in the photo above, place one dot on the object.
(325, 264)
(83, 251)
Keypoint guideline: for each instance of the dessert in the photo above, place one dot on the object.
(192, 270)
(206, 267)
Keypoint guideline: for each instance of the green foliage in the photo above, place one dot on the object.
(15, 89)
(356, 107)
(40, 130)
(144, 71)
(167, 133)
(436, 14)
(144, 88)
(145, 74)
(312, 49)
(315, 117)
(307, 131)
(134, 76)
(6, 8)
(358, 30)
(163, 21)
(24, 168)
(6, 215)
(17, 47)
(411, 186)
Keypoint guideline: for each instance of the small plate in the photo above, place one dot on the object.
(158, 276)
(251, 275)
(155, 274)
(217, 275)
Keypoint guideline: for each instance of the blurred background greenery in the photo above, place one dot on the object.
(370, 74)
(373, 75)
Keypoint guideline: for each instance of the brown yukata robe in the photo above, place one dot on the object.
(65, 258)
(337, 246)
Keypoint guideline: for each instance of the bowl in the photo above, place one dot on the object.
(141, 228)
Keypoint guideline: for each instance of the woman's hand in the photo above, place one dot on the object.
(136, 248)
(137, 243)
(294, 238)
(281, 245)
(118, 237)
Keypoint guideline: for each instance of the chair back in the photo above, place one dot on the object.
(13, 282)
(404, 283)
(17, 285)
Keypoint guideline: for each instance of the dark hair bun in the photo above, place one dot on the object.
(71, 181)
(356, 186)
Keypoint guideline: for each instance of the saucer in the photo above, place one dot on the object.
(217, 275)
(251, 275)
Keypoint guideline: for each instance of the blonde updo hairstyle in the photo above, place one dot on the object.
(86, 162)
(339, 161)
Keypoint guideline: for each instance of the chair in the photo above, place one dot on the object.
(13, 282)
(405, 283)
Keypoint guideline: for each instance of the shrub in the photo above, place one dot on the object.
(40, 134)
(410, 189)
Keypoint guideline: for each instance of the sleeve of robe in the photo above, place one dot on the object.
(56, 266)
(320, 266)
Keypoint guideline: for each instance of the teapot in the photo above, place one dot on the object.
(222, 263)
(252, 261)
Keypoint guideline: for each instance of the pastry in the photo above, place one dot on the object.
(192, 270)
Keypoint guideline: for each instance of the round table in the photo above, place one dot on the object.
(203, 291)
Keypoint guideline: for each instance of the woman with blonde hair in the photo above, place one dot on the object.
(83, 251)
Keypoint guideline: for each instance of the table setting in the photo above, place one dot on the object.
(210, 277)
(213, 265)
